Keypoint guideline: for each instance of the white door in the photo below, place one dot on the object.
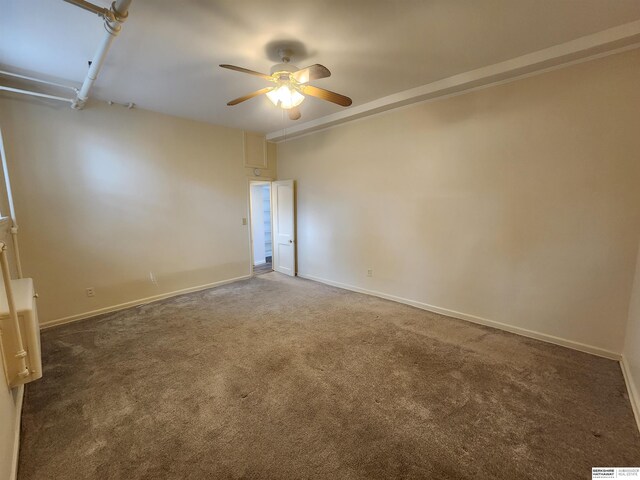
(282, 204)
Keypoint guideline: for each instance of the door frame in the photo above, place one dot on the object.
(250, 181)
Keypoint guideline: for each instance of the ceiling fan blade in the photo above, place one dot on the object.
(294, 113)
(249, 95)
(326, 95)
(312, 72)
(246, 70)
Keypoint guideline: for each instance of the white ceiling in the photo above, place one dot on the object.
(167, 55)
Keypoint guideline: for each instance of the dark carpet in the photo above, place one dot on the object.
(283, 378)
(264, 268)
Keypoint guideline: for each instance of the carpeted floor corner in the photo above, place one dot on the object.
(284, 378)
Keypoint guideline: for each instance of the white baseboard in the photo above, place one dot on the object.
(135, 303)
(16, 433)
(474, 319)
(634, 396)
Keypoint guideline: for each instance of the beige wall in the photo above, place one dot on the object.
(632, 343)
(10, 406)
(107, 195)
(518, 203)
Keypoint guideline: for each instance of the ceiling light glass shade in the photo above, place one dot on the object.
(285, 97)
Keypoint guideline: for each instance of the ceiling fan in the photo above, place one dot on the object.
(291, 85)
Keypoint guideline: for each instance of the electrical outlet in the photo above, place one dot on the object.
(90, 292)
(244, 221)
(153, 279)
(370, 272)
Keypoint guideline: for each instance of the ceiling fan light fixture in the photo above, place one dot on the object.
(285, 97)
(291, 85)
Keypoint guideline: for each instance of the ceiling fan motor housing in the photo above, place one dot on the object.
(284, 67)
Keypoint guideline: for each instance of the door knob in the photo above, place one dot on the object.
(290, 241)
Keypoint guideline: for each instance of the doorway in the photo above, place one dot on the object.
(261, 224)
